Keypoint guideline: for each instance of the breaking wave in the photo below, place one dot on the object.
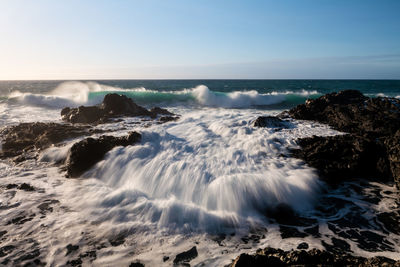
(91, 93)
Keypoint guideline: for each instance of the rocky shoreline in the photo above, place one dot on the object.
(369, 150)
(371, 147)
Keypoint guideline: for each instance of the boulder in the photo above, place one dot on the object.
(119, 105)
(370, 150)
(84, 154)
(352, 112)
(270, 122)
(186, 256)
(36, 136)
(342, 157)
(113, 105)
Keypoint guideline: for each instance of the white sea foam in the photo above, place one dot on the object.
(238, 99)
(211, 172)
(74, 94)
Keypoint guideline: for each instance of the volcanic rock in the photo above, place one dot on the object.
(84, 154)
(37, 135)
(341, 157)
(314, 257)
(270, 122)
(113, 105)
(371, 149)
(186, 256)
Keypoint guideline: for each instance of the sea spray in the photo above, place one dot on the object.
(74, 94)
(209, 171)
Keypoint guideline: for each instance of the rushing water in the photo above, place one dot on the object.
(210, 173)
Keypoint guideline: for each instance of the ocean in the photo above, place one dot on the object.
(205, 180)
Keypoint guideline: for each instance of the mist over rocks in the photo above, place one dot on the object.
(370, 149)
(113, 106)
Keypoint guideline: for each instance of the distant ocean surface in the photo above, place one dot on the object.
(205, 180)
(224, 93)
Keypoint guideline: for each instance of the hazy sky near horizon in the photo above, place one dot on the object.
(104, 39)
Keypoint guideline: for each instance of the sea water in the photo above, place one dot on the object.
(188, 182)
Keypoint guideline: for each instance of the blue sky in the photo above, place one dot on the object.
(70, 39)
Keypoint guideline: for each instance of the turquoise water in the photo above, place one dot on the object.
(261, 94)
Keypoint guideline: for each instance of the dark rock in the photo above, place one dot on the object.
(136, 264)
(314, 257)
(245, 260)
(392, 144)
(186, 256)
(284, 214)
(352, 112)
(302, 245)
(86, 153)
(165, 258)
(341, 157)
(26, 187)
(287, 232)
(2, 233)
(21, 218)
(338, 245)
(113, 105)
(390, 221)
(314, 231)
(71, 248)
(164, 119)
(11, 186)
(76, 262)
(117, 240)
(46, 206)
(270, 122)
(160, 111)
(29, 136)
(6, 250)
(372, 147)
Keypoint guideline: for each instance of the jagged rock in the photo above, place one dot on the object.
(84, 154)
(160, 111)
(393, 150)
(314, 257)
(113, 105)
(270, 122)
(352, 112)
(186, 256)
(117, 105)
(37, 135)
(342, 157)
(84, 114)
(371, 150)
(164, 119)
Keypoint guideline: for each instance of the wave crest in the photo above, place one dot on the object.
(74, 94)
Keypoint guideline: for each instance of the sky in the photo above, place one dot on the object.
(202, 39)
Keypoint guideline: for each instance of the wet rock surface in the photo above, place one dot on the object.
(371, 149)
(185, 257)
(314, 257)
(25, 137)
(271, 122)
(84, 154)
(113, 106)
(342, 157)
